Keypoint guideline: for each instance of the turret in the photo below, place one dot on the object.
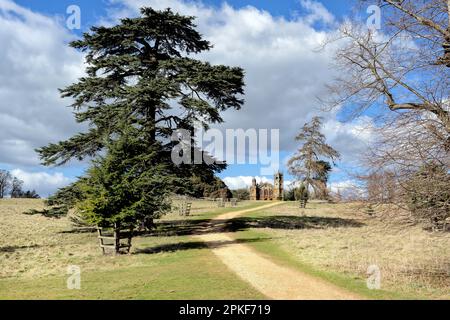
(278, 192)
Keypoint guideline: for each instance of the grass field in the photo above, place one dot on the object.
(334, 242)
(35, 252)
(339, 242)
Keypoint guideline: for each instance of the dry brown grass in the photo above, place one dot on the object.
(35, 246)
(411, 259)
(199, 208)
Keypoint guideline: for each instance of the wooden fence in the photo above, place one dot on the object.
(113, 240)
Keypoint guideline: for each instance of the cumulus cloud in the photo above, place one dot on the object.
(350, 138)
(34, 61)
(317, 12)
(285, 72)
(242, 182)
(44, 183)
(348, 189)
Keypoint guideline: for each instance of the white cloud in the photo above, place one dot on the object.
(34, 61)
(242, 182)
(285, 73)
(342, 185)
(348, 189)
(318, 13)
(44, 183)
(349, 138)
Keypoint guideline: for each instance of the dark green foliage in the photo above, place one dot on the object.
(141, 86)
(301, 193)
(202, 184)
(289, 195)
(428, 195)
(29, 194)
(127, 185)
(55, 213)
(297, 194)
(320, 177)
(323, 171)
(67, 196)
(136, 70)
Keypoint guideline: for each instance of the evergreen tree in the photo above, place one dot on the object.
(307, 163)
(427, 194)
(301, 193)
(137, 71)
(129, 184)
(142, 84)
(321, 177)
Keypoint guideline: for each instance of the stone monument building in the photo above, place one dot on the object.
(266, 191)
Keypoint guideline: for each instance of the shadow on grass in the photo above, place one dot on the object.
(10, 249)
(79, 230)
(181, 246)
(54, 213)
(196, 227)
(291, 222)
(185, 228)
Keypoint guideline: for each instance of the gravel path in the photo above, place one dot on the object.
(272, 280)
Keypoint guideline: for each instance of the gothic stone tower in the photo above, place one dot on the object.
(278, 186)
(254, 190)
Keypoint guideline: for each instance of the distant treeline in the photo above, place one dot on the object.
(10, 185)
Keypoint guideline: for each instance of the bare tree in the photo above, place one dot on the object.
(401, 75)
(16, 188)
(381, 187)
(5, 183)
(418, 169)
(405, 66)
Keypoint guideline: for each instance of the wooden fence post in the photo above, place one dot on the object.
(116, 236)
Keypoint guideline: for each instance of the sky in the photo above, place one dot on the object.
(276, 42)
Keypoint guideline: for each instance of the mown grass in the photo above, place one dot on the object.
(35, 252)
(333, 242)
(186, 274)
(338, 243)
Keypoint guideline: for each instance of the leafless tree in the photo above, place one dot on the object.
(381, 187)
(418, 167)
(404, 67)
(16, 188)
(400, 75)
(5, 183)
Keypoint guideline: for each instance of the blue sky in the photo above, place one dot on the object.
(95, 9)
(282, 84)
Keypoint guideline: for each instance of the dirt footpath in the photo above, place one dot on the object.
(273, 280)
